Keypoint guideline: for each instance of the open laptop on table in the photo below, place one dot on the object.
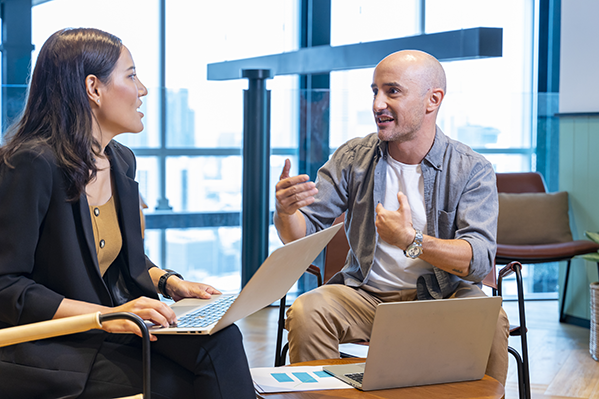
(271, 281)
(425, 342)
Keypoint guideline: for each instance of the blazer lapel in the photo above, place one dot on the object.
(127, 199)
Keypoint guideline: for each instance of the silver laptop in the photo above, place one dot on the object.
(271, 281)
(425, 342)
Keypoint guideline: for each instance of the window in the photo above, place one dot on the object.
(200, 152)
(207, 118)
(190, 174)
(489, 104)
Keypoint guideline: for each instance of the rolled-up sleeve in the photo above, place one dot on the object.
(476, 220)
(332, 197)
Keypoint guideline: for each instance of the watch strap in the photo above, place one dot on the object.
(163, 279)
(416, 244)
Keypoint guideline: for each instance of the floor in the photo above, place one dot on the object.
(560, 363)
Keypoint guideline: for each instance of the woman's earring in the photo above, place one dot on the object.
(98, 100)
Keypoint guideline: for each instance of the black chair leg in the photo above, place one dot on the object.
(147, 384)
(284, 353)
(520, 364)
(281, 353)
(525, 381)
(562, 316)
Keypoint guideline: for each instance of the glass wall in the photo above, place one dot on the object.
(489, 104)
(201, 154)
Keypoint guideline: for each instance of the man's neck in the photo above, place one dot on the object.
(412, 152)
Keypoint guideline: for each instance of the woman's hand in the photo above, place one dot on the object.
(149, 309)
(179, 289)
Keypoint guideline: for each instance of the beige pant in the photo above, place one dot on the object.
(334, 313)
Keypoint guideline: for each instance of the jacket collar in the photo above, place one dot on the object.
(125, 189)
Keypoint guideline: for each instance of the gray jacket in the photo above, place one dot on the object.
(460, 195)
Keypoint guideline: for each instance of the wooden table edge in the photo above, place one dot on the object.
(496, 390)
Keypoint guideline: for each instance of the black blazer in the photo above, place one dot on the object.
(47, 253)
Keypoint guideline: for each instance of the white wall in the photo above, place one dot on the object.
(579, 57)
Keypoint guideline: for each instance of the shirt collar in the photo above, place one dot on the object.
(437, 151)
(435, 154)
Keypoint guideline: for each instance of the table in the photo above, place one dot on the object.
(487, 388)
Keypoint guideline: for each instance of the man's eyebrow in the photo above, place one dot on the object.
(393, 84)
(390, 84)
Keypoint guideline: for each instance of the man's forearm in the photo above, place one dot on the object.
(453, 256)
(290, 227)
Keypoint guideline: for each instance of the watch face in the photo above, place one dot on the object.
(414, 251)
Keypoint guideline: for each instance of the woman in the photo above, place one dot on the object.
(70, 240)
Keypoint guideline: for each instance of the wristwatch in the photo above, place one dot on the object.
(162, 282)
(414, 250)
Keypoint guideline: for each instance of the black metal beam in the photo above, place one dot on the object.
(314, 90)
(256, 173)
(445, 46)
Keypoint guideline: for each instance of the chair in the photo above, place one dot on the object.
(516, 330)
(533, 227)
(335, 254)
(77, 324)
(527, 252)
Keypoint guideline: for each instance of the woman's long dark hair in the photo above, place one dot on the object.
(58, 112)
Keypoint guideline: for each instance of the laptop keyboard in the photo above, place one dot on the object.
(207, 315)
(356, 377)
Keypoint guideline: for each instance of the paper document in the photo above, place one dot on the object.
(293, 379)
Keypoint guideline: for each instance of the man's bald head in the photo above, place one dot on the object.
(424, 69)
(408, 88)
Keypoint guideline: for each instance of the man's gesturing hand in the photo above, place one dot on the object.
(292, 193)
(395, 227)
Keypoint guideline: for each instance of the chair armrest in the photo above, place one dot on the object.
(315, 271)
(49, 329)
(509, 269)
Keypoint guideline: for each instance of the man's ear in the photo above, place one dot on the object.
(434, 100)
(92, 84)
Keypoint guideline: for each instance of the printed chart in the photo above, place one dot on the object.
(293, 379)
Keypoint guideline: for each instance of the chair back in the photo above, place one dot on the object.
(336, 253)
(514, 183)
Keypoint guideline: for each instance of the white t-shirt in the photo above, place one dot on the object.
(392, 270)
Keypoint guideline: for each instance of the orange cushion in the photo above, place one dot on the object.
(533, 218)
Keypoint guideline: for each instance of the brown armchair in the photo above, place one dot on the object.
(534, 226)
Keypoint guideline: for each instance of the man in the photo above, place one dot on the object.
(421, 216)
